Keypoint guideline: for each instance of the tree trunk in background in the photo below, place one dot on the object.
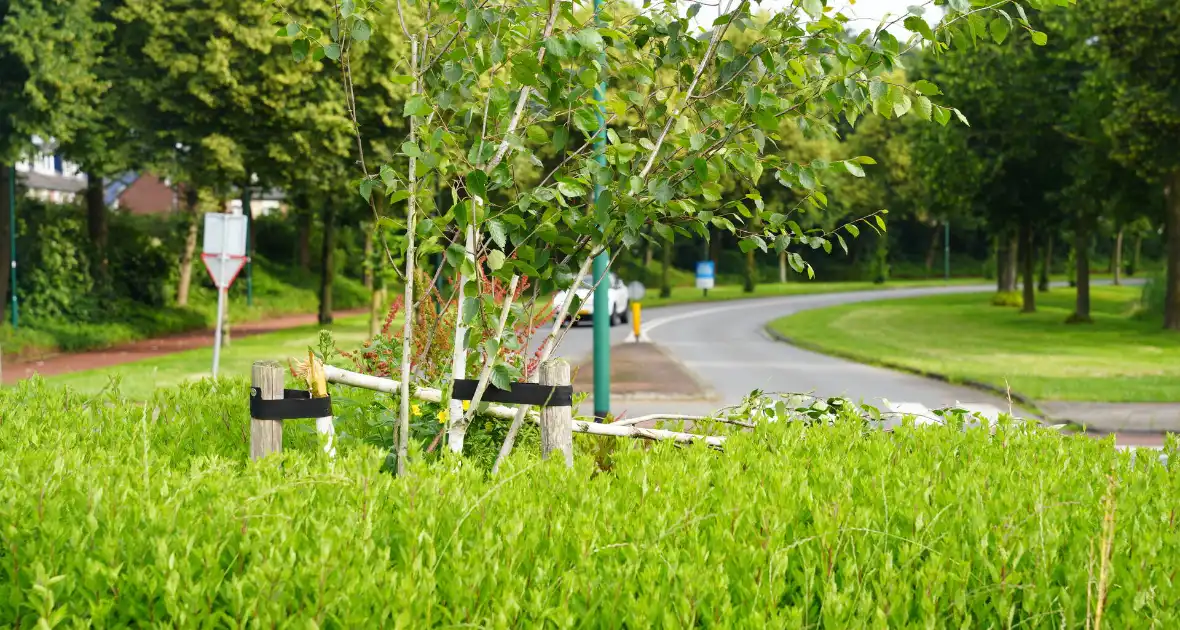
(782, 267)
(751, 275)
(715, 251)
(1081, 313)
(368, 255)
(666, 256)
(1135, 257)
(96, 224)
(327, 268)
(1046, 265)
(304, 247)
(1172, 301)
(935, 239)
(1117, 258)
(5, 237)
(647, 255)
(191, 197)
(1028, 252)
(1006, 263)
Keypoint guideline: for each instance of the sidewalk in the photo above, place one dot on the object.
(150, 348)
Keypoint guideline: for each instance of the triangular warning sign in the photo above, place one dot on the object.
(223, 270)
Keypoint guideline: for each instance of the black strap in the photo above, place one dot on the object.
(520, 394)
(295, 403)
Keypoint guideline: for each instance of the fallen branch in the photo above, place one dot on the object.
(430, 394)
(626, 422)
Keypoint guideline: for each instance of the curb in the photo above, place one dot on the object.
(1023, 400)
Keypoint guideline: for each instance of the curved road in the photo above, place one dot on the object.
(726, 346)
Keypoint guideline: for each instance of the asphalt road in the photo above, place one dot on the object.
(725, 345)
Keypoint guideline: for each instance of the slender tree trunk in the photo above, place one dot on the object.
(1081, 312)
(1008, 262)
(1046, 265)
(647, 255)
(1029, 256)
(368, 255)
(305, 223)
(1172, 301)
(751, 279)
(1135, 257)
(1117, 257)
(5, 237)
(193, 227)
(1001, 249)
(932, 251)
(327, 265)
(96, 224)
(782, 267)
(666, 255)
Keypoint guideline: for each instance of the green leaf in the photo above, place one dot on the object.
(477, 183)
(589, 38)
(401, 79)
(864, 159)
(495, 260)
(1039, 38)
(854, 168)
(347, 8)
(502, 376)
(1000, 28)
(366, 188)
(362, 31)
(586, 120)
(299, 49)
(711, 191)
(411, 149)
(536, 133)
(814, 8)
(923, 107)
(918, 25)
(880, 222)
(499, 232)
(416, 106)
(292, 29)
(942, 115)
(332, 51)
(853, 230)
(560, 137)
(924, 87)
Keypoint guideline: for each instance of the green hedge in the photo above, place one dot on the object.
(116, 515)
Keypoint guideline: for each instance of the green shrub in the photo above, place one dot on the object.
(121, 515)
(1154, 297)
(1008, 298)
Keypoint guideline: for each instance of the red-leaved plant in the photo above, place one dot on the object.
(434, 325)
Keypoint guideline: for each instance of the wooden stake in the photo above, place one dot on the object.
(557, 422)
(266, 436)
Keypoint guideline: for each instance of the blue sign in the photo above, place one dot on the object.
(705, 274)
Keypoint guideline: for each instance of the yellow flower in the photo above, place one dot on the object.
(466, 405)
(415, 409)
(442, 416)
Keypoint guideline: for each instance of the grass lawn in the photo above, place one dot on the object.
(1118, 358)
(138, 380)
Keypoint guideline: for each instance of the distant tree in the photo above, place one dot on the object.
(48, 83)
(1138, 45)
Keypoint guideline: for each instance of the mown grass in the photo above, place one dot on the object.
(1118, 358)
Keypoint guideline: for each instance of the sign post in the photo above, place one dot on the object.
(224, 254)
(705, 276)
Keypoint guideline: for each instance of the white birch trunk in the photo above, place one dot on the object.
(457, 431)
(408, 326)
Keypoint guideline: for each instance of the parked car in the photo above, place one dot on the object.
(619, 300)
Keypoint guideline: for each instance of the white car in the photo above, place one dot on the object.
(619, 300)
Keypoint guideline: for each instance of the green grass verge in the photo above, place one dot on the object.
(278, 291)
(1118, 358)
(139, 380)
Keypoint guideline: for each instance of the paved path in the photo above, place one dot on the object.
(149, 348)
(726, 346)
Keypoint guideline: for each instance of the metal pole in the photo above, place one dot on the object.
(946, 250)
(12, 237)
(248, 212)
(223, 257)
(602, 315)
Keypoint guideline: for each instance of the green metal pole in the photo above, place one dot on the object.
(248, 210)
(946, 250)
(602, 315)
(12, 236)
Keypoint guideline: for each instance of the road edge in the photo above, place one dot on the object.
(1015, 397)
